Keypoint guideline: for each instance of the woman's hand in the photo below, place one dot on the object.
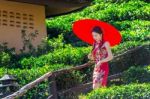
(90, 56)
(98, 64)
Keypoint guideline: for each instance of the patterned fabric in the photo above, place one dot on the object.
(100, 73)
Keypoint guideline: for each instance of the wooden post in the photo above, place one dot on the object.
(52, 88)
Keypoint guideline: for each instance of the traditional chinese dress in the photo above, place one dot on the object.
(100, 73)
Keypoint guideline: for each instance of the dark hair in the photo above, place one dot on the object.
(97, 29)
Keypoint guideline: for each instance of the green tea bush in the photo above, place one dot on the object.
(123, 14)
(48, 45)
(25, 76)
(131, 25)
(68, 55)
(9, 58)
(131, 91)
(6, 55)
(130, 58)
(128, 45)
(136, 74)
(120, 11)
(72, 56)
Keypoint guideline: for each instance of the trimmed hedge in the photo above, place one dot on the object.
(71, 55)
(131, 91)
(140, 56)
(128, 45)
(110, 12)
(68, 55)
(25, 76)
(120, 15)
(136, 74)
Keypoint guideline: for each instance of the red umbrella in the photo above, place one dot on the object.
(82, 29)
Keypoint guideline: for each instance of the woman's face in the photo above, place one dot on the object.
(96, 36)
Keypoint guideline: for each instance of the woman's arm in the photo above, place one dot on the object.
(90, 56)
(110, 55)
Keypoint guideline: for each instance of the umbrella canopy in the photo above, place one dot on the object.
(82, 29)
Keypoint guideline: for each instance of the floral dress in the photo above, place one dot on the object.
(100, 73)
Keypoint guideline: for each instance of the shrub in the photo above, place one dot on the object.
(139, 56)
(136, 74)
(6, 55)
(131, 91)
(108, 12)
(48, 45)
(68, 55)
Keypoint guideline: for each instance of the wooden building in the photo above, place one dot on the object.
(29, 15)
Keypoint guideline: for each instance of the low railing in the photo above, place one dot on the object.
(53, 93)
(51, 78)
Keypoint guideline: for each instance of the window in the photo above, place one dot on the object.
(16, 19)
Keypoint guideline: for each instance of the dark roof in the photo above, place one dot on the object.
(59, 7)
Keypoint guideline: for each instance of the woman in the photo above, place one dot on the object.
(101, 54)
